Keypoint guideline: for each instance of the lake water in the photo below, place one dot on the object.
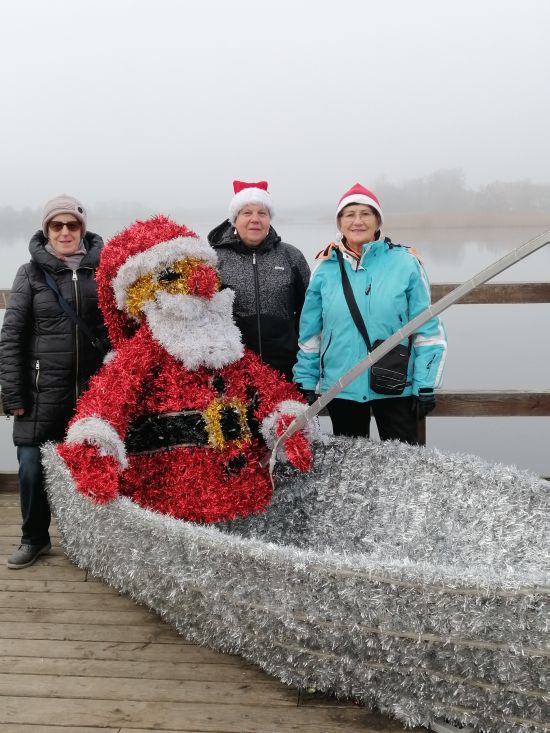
(490, 347)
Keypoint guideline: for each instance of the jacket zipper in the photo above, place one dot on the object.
(322, 369)
(77, 355)
(37, 378)
(257, 292)
(368, 298)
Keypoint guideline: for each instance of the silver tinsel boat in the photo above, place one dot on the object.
(412, 580)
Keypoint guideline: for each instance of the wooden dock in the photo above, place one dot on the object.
(78, 657)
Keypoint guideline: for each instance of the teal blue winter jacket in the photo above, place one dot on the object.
(391, 288)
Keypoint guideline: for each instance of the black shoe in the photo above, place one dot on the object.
(26, 555)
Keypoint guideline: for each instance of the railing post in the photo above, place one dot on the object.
(421, 431)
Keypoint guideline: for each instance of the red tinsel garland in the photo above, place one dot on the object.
(200, 483)
(297, 448)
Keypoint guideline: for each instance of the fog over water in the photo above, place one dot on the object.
(165, 102)
(142, 106)
(490, 347)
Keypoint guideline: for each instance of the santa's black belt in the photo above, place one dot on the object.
(215, 426)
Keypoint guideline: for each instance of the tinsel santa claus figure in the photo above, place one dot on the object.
(179, 418)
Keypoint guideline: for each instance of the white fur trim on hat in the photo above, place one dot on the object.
(98, 432)
(360, 198)
(250, 195)
(162, 254)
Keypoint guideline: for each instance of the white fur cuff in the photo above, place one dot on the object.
(287, 407)
(98, 432)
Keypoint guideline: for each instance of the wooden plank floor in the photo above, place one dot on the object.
(77, 657)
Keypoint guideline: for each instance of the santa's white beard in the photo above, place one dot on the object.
(194, 330)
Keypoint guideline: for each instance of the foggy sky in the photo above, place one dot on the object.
(164, 102)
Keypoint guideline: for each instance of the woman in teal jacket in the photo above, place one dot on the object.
(390, 287)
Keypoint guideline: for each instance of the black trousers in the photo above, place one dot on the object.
(395, 418)
(35, 510)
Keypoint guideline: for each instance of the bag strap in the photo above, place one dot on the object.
(73, 315)
(350, 300)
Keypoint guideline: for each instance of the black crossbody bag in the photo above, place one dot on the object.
(389, 375)
(101, 344)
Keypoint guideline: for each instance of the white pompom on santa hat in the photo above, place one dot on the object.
(358, 194)
(249, 193)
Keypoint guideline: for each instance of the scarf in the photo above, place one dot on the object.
(73, 261)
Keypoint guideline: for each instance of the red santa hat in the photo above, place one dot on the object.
(358, 194)
(142, 248)
(249, 193)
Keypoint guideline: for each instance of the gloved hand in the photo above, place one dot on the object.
(424, 403)
(308, 394)
(95, 476)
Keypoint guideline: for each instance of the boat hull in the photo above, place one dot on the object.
(411, 580)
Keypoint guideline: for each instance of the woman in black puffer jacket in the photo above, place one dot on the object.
(46, 359)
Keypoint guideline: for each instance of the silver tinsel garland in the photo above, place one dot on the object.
(412, 580)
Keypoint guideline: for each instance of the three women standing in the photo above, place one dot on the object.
(389, 287)
(52, 326)
(46, 355)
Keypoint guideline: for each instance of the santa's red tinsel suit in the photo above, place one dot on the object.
(179, 418)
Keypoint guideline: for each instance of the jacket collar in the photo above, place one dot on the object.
(224, 236)
(93, 244)
(355, 262)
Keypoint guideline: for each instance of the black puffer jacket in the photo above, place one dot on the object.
(45, 361)
(270, 282)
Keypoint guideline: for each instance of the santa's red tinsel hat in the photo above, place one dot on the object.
(140, 249)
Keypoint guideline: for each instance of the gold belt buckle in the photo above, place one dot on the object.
(212, 418)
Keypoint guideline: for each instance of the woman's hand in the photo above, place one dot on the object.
(18, 412)
(424, 403)
(309, 395)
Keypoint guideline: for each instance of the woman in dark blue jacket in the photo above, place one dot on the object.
(46, 358)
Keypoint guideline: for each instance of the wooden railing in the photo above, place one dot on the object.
(498, 293)
(498, 403)
(472, 403)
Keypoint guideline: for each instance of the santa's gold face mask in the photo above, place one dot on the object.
(189, 276)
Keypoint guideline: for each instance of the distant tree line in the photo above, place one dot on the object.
(20, 222)
(14, 222)
(443, 190)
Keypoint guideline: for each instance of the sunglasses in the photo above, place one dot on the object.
(57, 226)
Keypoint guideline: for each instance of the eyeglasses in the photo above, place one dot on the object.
(57, 226)
(361, 215)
